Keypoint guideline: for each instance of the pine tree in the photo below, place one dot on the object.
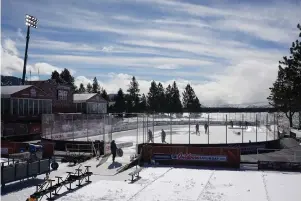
(190, 100)
(68, 78)
(81, 88)
(168, 99)
(89, 88)
(133, 98)
(56, 76)
(161, 98)
(95, 86)
(143, 104)
(286, 91)
(152, 98)
(120, 106)
(104, 95)
(175, 98)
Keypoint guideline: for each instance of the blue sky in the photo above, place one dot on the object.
(228, 50)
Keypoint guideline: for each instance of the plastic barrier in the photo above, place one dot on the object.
(18, 171)
(196, 156)
(245, 148)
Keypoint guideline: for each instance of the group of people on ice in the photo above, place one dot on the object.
(197, 128)
(151, 137)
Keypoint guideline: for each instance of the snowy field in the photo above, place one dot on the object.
(180, 134)
(178, 184)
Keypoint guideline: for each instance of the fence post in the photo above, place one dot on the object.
(170, 128)
(274, 126)
(83, 124)
(226, 129)
(51, 126)
(154, 124)
(266, 128)
(72, 127)
(189, 126)
(242, 128)
(143, 128)
(208, 129)
(137, 134)
(256, 126)
(103, 128)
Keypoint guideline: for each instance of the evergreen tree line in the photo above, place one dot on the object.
(285, 94)
(157, 100)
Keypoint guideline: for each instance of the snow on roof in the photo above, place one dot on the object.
(7, 91)
(78, 98)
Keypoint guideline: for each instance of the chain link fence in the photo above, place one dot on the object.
(205, 128)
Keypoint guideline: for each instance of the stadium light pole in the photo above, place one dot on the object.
(30, 21)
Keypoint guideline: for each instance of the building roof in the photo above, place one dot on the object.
(7, 91)
(81, 98)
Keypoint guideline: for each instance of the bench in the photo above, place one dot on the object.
(135, 173)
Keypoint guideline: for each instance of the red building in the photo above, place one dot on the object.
(62, 95)
(21, 110)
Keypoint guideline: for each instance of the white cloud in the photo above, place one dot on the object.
(82, 79)
(189, 40)
(12, 63)
(10, 47)
(20, 33)
(168, 66)
(125, 61)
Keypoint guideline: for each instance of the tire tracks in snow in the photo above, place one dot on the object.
(206, 186)
(162, 175)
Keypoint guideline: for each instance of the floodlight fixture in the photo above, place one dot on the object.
(30, 21)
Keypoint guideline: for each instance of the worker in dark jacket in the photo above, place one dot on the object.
(113, 149)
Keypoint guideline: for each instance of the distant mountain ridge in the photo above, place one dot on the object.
(10, 80)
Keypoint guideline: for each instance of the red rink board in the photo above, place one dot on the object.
(186, 155)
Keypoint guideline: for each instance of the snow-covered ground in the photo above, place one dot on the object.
(179, 184)
(172, 184)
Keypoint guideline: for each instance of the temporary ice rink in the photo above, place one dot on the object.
(178, 129)
(173, 184)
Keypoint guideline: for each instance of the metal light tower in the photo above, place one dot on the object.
(30, 21)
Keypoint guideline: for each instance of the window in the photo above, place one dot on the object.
(15, 106)
(2, 105)
(30, 107)
(62, 95)
(44, 106)
(40, 107)
(21, 107)
(35, 107)
(25, 103)
(84, 109)
(48, 106)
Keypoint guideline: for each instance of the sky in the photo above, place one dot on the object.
(228, 50)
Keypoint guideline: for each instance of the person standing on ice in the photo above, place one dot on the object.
(206, 128)
(246, 124)
(197, 128)
(231, 123)
(163, 136)
(113, 149)
(150, 137)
